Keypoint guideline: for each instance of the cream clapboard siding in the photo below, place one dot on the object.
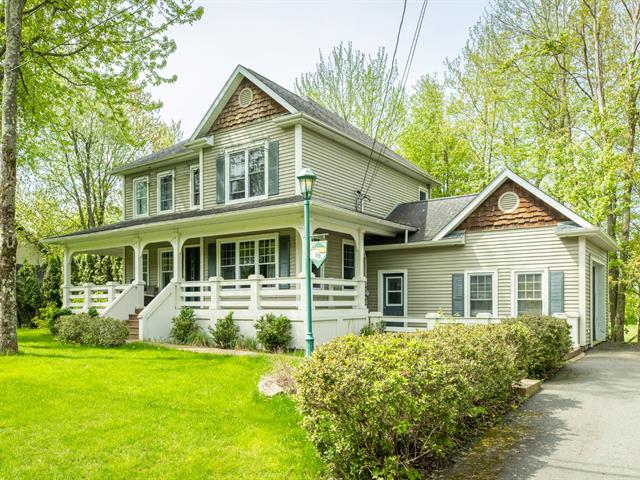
(333, 263)
(240, 137)
(594, 253)
(430, 269)
(341, 170)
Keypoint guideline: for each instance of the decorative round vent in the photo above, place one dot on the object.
(508, 202)
(245, 97)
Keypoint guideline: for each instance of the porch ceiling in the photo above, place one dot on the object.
(229, 219)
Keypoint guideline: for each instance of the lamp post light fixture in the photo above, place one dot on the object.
(307, 179)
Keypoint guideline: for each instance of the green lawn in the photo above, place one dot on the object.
(143, 412)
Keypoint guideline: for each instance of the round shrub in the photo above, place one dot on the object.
(273, 332)
(183, 326)
(390, 406)
(225, 333)
(84, 329)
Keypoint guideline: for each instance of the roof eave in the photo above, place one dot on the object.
(447, 242)
(599, 237)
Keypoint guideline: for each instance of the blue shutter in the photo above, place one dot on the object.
(220, 179)
(274, 160)
(457, 294)
(556, 292)
(283, 254)
(211, 259)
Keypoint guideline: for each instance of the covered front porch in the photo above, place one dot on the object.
(249, 264)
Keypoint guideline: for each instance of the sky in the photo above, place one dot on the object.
(281, 39)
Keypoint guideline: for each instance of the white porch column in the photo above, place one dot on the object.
(66, 277)
(360, 273)
(177, 258)
(138, 280)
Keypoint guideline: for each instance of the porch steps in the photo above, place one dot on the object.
(133, 324)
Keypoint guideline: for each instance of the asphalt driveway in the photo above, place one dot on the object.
(584, 424)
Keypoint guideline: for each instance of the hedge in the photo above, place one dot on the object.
(394, 405)
(85, 329)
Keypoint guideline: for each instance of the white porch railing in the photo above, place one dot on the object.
(259, 293)
(81, 299)
(432, 320)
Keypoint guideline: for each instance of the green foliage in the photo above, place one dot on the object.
(184, 326)
(52, 281)
(84, 329)
(542, 343)
(352, 85)
(49, 315)
(225, 333)
(246, 343)
(394, 405)
(28, 294)
(273, 332)
(372, 329)
(93, 312)
(200, 339)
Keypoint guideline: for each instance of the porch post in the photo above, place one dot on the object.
(177, 258)
(66, 277)
(138, 281)
(361, 274)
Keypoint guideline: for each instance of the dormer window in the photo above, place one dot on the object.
(141, 197)
(165, 192)
(247, 173)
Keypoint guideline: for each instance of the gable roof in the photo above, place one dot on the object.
(493, 186)
(293, 104)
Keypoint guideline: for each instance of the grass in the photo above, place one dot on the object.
(143, 411)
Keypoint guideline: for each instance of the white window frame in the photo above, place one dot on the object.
(254, 238)
(227, 179)
(192, 205)
(421, 190)
(355, 261)
(134, 209)
(381, 299)
(161, 175)
(173, 274)
(467, 291)
(545, 288)
(145, 253)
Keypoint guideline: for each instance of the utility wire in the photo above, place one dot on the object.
(403, 82)
(384, 98)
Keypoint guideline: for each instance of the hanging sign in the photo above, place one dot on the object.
(318, 252)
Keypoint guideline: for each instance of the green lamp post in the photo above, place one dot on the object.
(307, 179)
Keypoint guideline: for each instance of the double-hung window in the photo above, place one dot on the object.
(140, 197)
(251, 256)
(165, 192)
(194, 184)
(481, 294)
(145, 267)
(247, 173)
(165, 266)
(529, 293)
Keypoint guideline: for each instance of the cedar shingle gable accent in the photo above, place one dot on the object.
(262, 106)
(531, 212)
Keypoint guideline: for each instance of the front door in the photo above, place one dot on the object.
(192, 263)
(393, 294)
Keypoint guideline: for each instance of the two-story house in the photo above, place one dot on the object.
(216, 223)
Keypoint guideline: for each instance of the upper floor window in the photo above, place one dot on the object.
(141, 196)
(194, 174)
(247, 173)
(165, 192)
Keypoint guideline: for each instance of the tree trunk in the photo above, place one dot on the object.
(8, 242)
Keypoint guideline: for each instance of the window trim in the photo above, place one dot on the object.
(467, 291)
(256, 239)
(422, 189)
(381, 273)
(545, 287)
(161, 175)
(145, 253)
(192, 205)
(346, 241)
(245, 148)
(173, 273)
(133, 196)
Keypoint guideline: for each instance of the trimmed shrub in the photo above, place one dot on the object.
(93, 312)
(542, 343)
(183, 326)
(273, 332)
(84, 329)
(225, 333)
(394, 405)
(49, 315)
